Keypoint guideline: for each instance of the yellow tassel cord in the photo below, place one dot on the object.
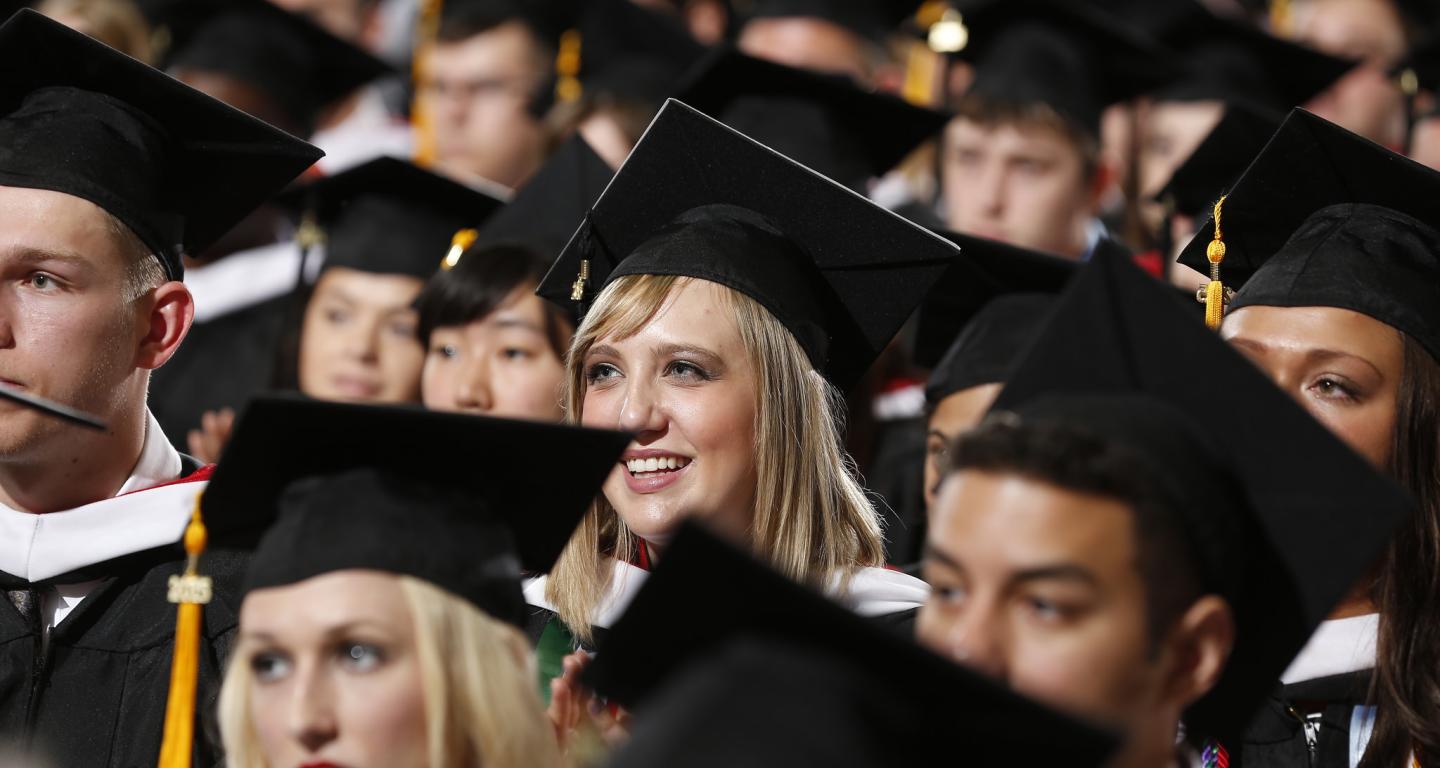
(190, 591)
(567, 67)
(1280, 18)
(577, 290)
(458, 246)
(1215, 290)
(426, 30)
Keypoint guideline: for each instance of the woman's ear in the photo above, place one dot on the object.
(164, 317)
(1200, 645)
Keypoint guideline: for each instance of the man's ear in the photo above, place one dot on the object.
(165, 318)
(1200, 646)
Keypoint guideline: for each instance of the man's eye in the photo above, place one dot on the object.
(42, 281)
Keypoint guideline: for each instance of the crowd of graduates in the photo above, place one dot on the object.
(462, 383)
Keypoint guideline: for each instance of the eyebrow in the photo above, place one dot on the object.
(28, 255)
(1311, 355)
(516, 322)
(690, 350)
(1058, 572)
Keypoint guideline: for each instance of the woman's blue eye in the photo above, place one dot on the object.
(336, 316)
(448, 351)
(600, 372)
(514, 353)
(361, 657)
(688, 370)
(269, 666)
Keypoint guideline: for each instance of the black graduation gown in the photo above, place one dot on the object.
(97, 697)
(223, 363)
(1276, 736)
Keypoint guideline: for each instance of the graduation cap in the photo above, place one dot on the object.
(282, 441)
(1222, 156)
(1061, 53)
(174, 165)
(1122, 358)
(545, 213)
(1233, 60)
(697, 199)
(389, 216)
(870, 19)
(826, 122)
(986, 269)
(1324, 217)
(887, 698)
(631, 52)
(286, 56)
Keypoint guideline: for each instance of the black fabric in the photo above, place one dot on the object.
(871, 267)
(175, 166)
(284, 55)
(389, 216)
(545, 213)
(827, 123)
(1276, 737)
(1296, 544)
(990, 345)
(870, 19)
(631, 52)
(284, 439)
(1060, 53)
(1222, 156)
(1324, 217)
(97, 695)
(372, 519)
(684, 618)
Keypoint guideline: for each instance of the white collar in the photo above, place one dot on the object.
(243, 279)
(871, 592)
(1337, 647)
(37, 547)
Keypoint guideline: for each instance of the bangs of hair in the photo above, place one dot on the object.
(477, 286)
(610, 317)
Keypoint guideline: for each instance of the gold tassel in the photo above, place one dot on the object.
(190, 591)
(567, 67)
(458, 246)
(577, 290)
(310, 234)
(1215, 290)
(1280, 18)
(427, 29)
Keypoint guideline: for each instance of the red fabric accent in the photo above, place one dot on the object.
(200, 475)
(900, 383)
(642, 556)
(1152, 262)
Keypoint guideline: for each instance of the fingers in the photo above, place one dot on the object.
(208, 442)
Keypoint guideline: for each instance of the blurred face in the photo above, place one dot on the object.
(477, 94)
(1023, 185)
(1342, 366)
(959, 412)
(358, 342)
(685, 386)
(1425, 142)
(1038, 587)
(1365, 100)
(500, 365)
(334, 673)
(66, 330)
(806, 42)
(1173, 131)
(346, 19)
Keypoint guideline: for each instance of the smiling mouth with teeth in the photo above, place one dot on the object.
(655, 466)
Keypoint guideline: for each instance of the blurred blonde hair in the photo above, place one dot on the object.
(478, 674)
(812, 521)
(116, 23)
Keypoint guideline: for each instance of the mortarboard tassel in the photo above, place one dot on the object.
(426, 30)
(458, 246)
(1215, 290)
(567, 67)
(190, 591)
(1280, 18)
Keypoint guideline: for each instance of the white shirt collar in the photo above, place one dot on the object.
(37, 547)
(1337, 647)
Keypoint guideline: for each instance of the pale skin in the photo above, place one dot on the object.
(68, 333)
(686, 388)
(334, 671)
(806, 42)
(1019, 184)
(476, 96)
(1341, 366)
(358, 341)
(956, 413)
(502, 364)
(1173, 130)
(1038, 587)
(1366, 100)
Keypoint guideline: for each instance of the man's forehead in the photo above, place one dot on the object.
(995, 513)
(37, 221)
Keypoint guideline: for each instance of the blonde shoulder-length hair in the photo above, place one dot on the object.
(478, 675)
(812, 519)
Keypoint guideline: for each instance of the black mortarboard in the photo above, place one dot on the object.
(1222, 156)
(389, 216)
(633, 52)
(870, 19)
(825, 122)
(697, 199)
(294, 61)
(545, 213)
(684, 616)
(986, 269)
(1123, 358)
(174, 165)
(1326, 218)
(1228, 59)
(400, 489)
(1062, 53)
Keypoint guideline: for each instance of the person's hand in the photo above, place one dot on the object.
(580, 721)
(208, 442)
